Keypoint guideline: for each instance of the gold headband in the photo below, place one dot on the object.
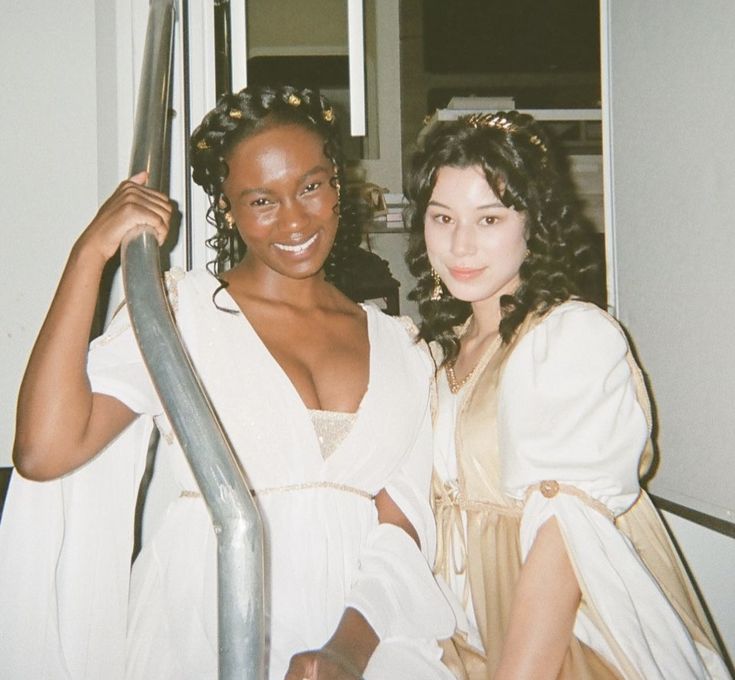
(495, 120)
(491, 120)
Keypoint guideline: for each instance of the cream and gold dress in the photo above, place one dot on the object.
(557, 424)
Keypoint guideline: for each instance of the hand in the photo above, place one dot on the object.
(321, 664)
(131, 205)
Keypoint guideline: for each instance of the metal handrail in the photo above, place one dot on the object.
(236, 520)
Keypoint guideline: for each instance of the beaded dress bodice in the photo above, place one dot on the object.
(332, 428)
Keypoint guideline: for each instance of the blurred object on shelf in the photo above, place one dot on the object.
(373, 195)
(368, 198)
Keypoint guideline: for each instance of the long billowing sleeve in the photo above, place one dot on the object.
(571, 433)
(65, 545)
(65, 549)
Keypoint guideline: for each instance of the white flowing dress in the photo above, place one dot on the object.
(66, 610)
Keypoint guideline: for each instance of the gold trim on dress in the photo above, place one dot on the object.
(550, 488)
(295, 487)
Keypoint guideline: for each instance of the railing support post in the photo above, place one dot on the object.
(235, 517)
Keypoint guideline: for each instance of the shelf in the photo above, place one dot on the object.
(381, 227)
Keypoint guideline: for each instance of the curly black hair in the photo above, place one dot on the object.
(240, 115)
(520, 165)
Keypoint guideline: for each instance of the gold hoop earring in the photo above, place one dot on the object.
(438, 291)
(229, 220)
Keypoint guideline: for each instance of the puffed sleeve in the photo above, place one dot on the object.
(568, 409)
(571, 433)
(115, 367)
(394, 587)
(65, 549)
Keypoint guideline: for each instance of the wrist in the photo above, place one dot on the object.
(344, 661)
(353, 642)
(85, 255)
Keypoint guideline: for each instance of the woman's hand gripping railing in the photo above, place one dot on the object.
(237, 523)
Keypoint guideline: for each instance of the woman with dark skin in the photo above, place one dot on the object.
(558, 563)
(299, 375)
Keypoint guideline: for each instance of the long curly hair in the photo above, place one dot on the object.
(240, 115)
(520, 165)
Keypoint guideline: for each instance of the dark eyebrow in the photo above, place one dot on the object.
(497, 204)
(262, 190)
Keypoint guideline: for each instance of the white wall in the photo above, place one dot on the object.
(711, 557)
(672, 112)
(48, 175)
(673, 107)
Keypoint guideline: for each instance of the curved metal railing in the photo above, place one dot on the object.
(237, 523)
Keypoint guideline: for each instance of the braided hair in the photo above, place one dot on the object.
(515, 155)
(240, 115)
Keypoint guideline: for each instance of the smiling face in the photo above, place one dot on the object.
(282, 201)
(474, 242)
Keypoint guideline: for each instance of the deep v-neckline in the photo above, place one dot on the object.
(284, 377)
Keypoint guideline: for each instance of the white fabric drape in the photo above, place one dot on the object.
(324, 546)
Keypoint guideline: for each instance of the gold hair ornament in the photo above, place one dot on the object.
(202, 144)
(328, 115)
(235, 113)
(226, 213)
(491, 120)
(338, 187)
(537, 141)
(294, 100)
(495, 120)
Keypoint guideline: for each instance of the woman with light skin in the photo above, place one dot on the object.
(324, 401)
(556, 562)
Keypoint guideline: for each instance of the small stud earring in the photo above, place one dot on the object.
(230, 220)
(437, 292)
